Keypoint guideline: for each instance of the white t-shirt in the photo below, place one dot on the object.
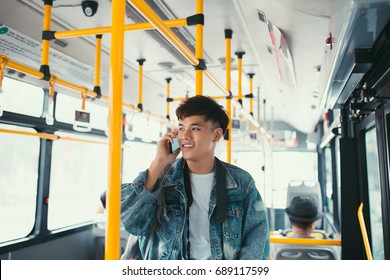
(199, 216)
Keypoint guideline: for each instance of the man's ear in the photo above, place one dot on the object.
(218, 133)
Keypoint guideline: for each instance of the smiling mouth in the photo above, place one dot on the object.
(187, 146)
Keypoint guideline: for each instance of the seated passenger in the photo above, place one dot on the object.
(99, 229)
(303, 214)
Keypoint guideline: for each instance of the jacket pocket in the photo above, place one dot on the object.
(173, 222)
(232, 227)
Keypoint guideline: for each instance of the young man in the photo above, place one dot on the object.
(205, 208)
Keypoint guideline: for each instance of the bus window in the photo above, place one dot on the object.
(18, 183)
(137, 157)
(78, 177)
(252, 161)
(329, 180)
(338, 180)
(291, 166)
(66, 106)
(146, 128)
(374, 195)
(22, 98)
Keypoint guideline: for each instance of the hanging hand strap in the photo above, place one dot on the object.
(83, 98)
(3, 65)
(52, 83)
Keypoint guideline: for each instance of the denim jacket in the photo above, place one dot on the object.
(243, 235)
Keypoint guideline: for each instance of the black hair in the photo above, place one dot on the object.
(200, 105)
(103, 198)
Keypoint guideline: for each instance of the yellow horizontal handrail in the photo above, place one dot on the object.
(35, 73)
(208, 74)
(236, 103)
(364, 232)
(107, 29)
(82, 140)
(28, 133)
(305, 241)
(213, 97)
(162, 27)
(179, 98)
(222, 97)
(49, 136)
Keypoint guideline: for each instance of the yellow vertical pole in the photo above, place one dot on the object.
(140, 75)
(112, 250)
(147, 12)
(364, 232)
(239, 56)
(97, 88)
(46, 41)
(199, 50)
(228, 62)
(168, 97)
(250, 95)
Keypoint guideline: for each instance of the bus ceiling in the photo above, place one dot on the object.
(306, 57)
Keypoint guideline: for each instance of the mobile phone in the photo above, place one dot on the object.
(172, 147)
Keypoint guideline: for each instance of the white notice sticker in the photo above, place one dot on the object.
(27, 51)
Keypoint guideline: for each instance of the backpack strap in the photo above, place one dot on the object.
(221, 208)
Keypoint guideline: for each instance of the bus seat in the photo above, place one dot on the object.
(318, 233)
(305, 253)
(99, 246)
(99, 232)
(306, 188)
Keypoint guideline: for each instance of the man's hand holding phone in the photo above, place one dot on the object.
(168, 148)
(172, 147)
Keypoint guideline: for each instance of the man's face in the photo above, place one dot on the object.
(198, 138)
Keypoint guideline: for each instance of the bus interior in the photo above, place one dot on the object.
(307, 84)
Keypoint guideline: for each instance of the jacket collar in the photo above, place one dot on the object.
(173, 175)
(222, 181)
